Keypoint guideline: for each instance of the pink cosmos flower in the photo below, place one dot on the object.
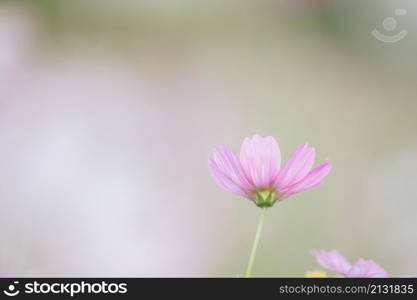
(334, 261)
(257, 173)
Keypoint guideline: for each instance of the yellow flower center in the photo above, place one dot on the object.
(316, 274)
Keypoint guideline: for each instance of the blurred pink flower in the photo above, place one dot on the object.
(334, 261)
(257, 173)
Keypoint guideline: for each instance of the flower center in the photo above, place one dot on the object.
(316, 274)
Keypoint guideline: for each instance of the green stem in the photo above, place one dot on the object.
(255, 243)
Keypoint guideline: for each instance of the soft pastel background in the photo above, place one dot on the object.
(110, 109)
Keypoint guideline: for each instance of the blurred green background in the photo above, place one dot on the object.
(110, 109)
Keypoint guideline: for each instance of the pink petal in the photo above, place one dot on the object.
(297, 166)
(227, 171)
(261, 159)
(366, 268)
(311, 180)
(332, 260)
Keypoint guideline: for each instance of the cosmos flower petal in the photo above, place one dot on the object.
(227, 171)
(366, 268)
(261, 159)
(297, 166)
(332, 260)
(312, 179)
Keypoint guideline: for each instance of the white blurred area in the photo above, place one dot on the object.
(89, 159)
(104, 147)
